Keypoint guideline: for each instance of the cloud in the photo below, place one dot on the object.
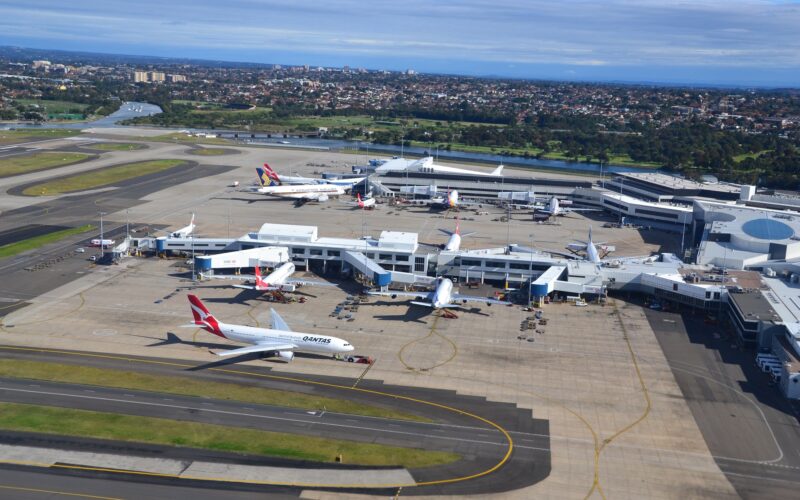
(614, 33)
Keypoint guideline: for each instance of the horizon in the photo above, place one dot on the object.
(748, 43)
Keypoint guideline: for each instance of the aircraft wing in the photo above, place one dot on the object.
(300, 282)
(416, 295)
(472, 298)
(264, 347)
(246, 287)
(232, 277)
(278, 323)
(570, 209)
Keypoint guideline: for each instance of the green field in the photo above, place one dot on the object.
(208, 151)
(742, 157)
(15, 165)
(100, 177)
(190, 387)
(116, 146)
(55, 106)
(63, 421)
(39, 241)
(32, 134)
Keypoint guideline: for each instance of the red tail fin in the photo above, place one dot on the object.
(259, 280)
(271, 173)
(203, 317)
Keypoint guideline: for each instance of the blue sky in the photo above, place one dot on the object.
(732, 42)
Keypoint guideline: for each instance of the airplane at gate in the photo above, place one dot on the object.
(442, 297)
(280, 280)
(278, 341)
(454, 243)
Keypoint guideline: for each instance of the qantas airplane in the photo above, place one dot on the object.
(442, 297)
(454, 243)
(278, 341)
(280, 280)
(591, 249)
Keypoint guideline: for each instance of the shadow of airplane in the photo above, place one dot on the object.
(173, 339)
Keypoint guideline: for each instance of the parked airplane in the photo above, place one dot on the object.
(273, 186)
(591, 249)
(442, 297)
(367, 203)
(554, 208)
(267, 176)
(184, 232)
(278, 341)
(280, 280)
(454, 243)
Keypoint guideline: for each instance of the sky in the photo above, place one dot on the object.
(723, 42)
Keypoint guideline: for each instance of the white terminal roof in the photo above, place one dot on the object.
(785, 301)
(630, 201)
(673, 182)
(740, 236)
(282, 234)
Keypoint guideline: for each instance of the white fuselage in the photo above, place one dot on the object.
(305, 342)
(302, 190)
(453, 244)
(183, 232)
(443, 293)
(278, 276)
(366, 203)
(591, 253)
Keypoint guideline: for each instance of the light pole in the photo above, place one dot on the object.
(530, 271)
(101, 233)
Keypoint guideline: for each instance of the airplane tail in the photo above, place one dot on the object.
(203, 317)
(259, 279)
(458, 230)
(267, 176)
(498, 170)
(590, 235)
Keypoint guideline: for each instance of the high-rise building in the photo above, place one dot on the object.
(140, 76)
(176, 78)
(156, 76)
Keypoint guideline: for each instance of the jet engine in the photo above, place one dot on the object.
(285, 356)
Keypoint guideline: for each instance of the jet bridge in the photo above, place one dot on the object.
(368, 267)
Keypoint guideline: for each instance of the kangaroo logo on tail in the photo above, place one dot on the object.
(203, 317)
(259, 280)
(267, 176)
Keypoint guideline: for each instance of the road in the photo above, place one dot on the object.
(481, 445)
(751, 430)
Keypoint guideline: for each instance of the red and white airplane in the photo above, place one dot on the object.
(278, 341)
(454, 243)
(280, 280)
(367, 203)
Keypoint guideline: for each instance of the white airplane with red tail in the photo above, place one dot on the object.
(280, 280)
(278, 341)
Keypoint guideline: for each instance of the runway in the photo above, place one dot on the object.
(481, 445)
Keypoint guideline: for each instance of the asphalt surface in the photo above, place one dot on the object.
(481, 446)
(63, 265)
(752, 431)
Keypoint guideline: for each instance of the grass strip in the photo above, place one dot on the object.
(15, 165)
(83, 423)
(100, 177)
(23, 135)
(38, 241)
(187, 386)
(116, 146)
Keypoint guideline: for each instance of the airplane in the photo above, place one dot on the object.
(278, 341)
(554, 208)
(367, 203)
(442, 297)
(454, 243)
(590, 248)
(280, 280)
(426, 165)
(184, 232)
(435, 201)
(266, 175)
(273, 186)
